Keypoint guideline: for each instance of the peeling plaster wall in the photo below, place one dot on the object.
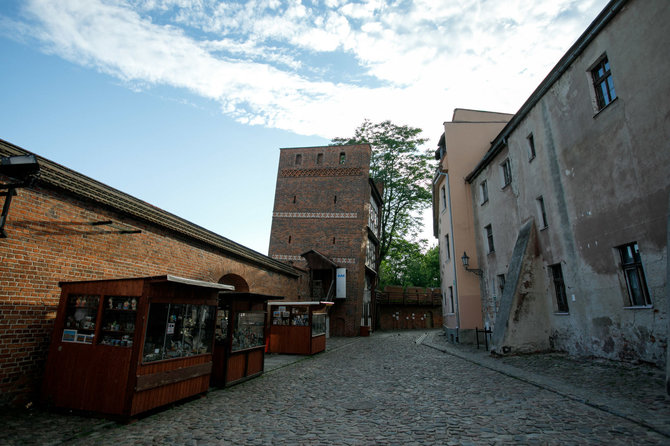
(605, 180)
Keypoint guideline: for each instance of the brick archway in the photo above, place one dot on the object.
(238, 282)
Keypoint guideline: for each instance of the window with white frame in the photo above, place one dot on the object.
(531, 147)
(636, 282)
(506, 172)
(483, 192)
(603, 84)
(488, 235)
(541, 212)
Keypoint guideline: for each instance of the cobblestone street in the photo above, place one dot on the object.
(407, 388)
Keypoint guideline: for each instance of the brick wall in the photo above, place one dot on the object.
(324, 206)
(51, 238)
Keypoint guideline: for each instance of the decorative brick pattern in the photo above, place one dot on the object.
(325, 172)
(315, 215)
(291, 258)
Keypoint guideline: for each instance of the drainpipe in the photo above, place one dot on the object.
(453, 260)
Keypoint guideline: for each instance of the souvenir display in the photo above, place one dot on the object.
(81, 312)
(118, 322)
(178, 330)
(249, 331)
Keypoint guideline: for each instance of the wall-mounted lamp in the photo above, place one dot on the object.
(22, 171)
(466, 261)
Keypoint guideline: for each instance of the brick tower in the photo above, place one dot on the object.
(326, 220)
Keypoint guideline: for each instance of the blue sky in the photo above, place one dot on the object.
(185, 103)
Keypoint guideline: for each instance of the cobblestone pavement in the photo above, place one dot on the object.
(406, 388)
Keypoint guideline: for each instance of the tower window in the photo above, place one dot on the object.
(319, 158)
(298, 159)
(343, 157)
(289, 239)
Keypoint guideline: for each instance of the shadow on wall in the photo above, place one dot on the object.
(241, 285)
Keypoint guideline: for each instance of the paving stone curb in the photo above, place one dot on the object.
(583, 396)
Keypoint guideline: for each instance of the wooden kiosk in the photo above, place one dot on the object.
(297, 328)
(122, 347)
(239, 351)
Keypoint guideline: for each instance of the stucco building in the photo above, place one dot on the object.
(326, 220)
(465, 140)
(578, 187)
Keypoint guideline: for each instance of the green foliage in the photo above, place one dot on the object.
(410, 264)
(404, 171)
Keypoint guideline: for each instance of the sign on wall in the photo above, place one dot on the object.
(341, 283)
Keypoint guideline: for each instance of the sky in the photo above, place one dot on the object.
(185, 103)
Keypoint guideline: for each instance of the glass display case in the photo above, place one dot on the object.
(126, 346)
(178, 330)
(300, 316)
(318, 324)
(298, 328)
(248, 330)
(81, 314)
(118, 321)
(221, 331)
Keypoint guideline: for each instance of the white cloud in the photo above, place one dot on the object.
(428, 59)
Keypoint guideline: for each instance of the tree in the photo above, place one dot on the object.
(404, 172)
(407, 265)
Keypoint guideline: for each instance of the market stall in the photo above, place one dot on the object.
(298, 328)
(239, 350)
(123, 347)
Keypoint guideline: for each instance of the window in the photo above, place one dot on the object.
(501, 282)
(452, 308)
(447, 247)
(531, 147)
(334, 199)
(506, 169)
(444, 197)
(294, 198)
(343, 157)
(541, 212)
(319, 158)
(298, 159)
(603, 83)
(289, 239)
(636, 283)
(483, 192)
(488, 233)
(559, 288)
(178, 330)
(371, 255)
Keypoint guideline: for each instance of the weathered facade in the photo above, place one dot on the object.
(576, 220)
(326, 219)
(466, 139)
(68, 227)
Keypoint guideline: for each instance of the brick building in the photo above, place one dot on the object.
(68, 227)
(326, 220)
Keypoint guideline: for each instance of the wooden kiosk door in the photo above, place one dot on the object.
(221, 345)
